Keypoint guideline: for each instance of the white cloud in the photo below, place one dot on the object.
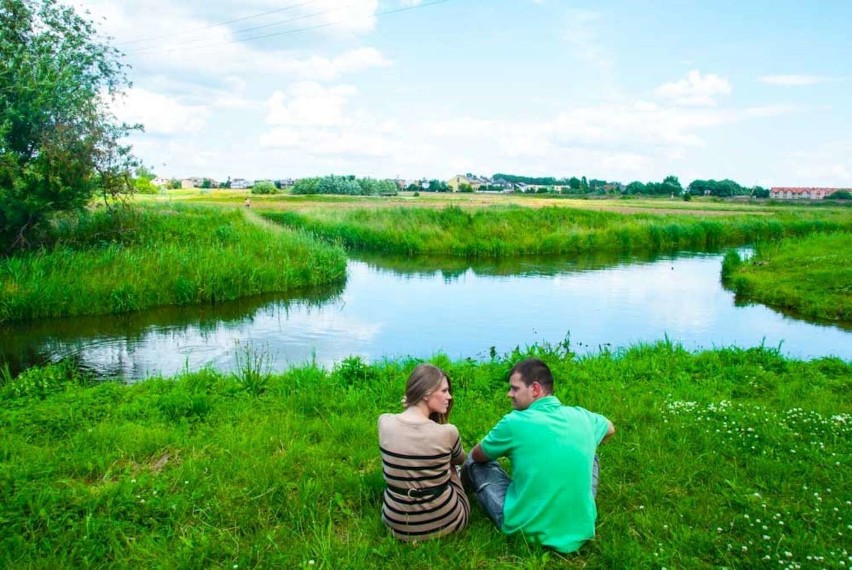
(309, 104)
(150, 19)
(348, 142)
(358, 16)
(159, 36)
(695, 89)
(827, 165)
(581, 33)
(352, 61)
(314, 119)
(794, 80)
(160, 114)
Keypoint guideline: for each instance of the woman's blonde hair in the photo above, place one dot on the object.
(423, 380)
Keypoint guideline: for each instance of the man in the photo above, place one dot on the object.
(551, 496)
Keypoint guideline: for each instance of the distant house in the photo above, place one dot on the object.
(471, 180)
(456, 181)
(239, 183)
(282, 182)
(161, 182)
(801, 193)
(193, 182)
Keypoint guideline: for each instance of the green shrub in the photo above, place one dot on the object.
(264, 187)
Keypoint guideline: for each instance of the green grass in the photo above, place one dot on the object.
(811, 275)
(725, 458)
(515, 230)
(161, 255)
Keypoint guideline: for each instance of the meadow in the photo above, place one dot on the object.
(809, 275)
(514, 230)
(189, 246)
(724, 458)
(155, 255)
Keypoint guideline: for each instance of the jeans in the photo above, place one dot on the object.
(489, 482)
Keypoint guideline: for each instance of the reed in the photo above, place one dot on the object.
(515, 230)
(161, 255)
(810, 276)
(733, 458)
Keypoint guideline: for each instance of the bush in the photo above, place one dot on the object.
(840, 195)
(730, 264)
(264, 187)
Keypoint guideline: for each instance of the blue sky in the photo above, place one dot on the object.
(756, 91)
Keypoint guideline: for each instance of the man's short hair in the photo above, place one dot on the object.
(534, 370)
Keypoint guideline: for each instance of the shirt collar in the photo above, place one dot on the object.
(546, 402)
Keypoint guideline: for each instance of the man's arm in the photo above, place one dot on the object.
(610, 430)
(478, 455)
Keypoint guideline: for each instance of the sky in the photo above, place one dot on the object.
(757, 91)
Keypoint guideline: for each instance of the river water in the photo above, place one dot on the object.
(418, 307)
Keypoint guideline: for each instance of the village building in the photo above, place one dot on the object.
(801, 193)
(471, 180)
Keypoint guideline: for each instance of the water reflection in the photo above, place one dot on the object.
(452, 269)
(394, 307)
(136, 344)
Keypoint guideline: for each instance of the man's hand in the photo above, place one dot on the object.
(609, 432)
(478, 455)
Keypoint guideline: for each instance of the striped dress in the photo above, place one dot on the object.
(416, 455)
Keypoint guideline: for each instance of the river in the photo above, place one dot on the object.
(397, 307)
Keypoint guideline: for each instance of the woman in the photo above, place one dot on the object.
(424, 497)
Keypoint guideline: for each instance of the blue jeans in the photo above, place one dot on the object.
(489, 482)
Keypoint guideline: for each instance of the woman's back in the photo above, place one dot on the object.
(424, 498)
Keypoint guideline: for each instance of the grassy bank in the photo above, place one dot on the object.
(161, 255)
(810, 275)
(515, 230)
(725, 458)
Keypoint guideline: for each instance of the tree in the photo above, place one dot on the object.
(635, 187)
(142, 182)
(672, 185)
(760, 192)
(264, 187)
(59, 141)
(438, 186)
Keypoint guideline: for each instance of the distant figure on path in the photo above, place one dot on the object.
(550, 498)
(424, 497)
(248, 202)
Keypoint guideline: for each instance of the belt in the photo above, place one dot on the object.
(419, 493)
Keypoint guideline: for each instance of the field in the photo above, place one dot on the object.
(726, 458)
(811, 275)
(513, 230)
(161, 255)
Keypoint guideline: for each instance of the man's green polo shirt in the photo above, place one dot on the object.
(552, 449)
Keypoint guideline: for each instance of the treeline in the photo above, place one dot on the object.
(347, 185)
(566, 185)
(669, 186)
(725, 188)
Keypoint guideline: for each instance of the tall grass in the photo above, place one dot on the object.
(726, 458)
(810, 275)
(161, 255)
(515, 230)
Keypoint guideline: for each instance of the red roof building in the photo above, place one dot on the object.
(801, 193)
